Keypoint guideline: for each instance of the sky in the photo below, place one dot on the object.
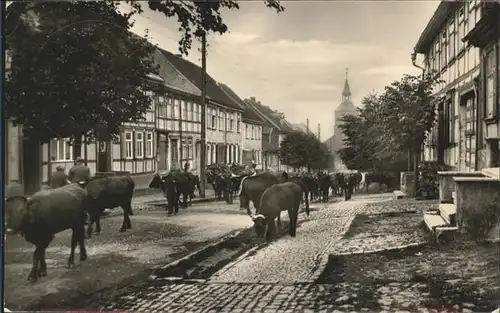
(295, 62)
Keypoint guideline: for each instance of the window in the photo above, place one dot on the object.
(169, 103)
(470, 115)
(149, 145)
(162, 108)
(437, 59)
(128, 145)
(177, 108)
(184, 150)
(190, 148)
(450, 118)
(490, 87)
(196, 112)
(253, 133)
(444, 50)
(199, 112)
(184, 109)
(246, 131)
(139, 145)
(238, 122)
(452, 40)
(61, 150)
(221, 120)
(214, 119)
(190, 111)
(231, 122)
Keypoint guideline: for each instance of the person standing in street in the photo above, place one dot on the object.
(187, 167)
(79, 172)
(58, 178)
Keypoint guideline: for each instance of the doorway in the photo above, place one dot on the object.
(32, 167)
(174, 152)
(162, 152)
(104, 157)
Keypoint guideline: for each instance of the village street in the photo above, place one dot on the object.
(289, 274)
(115, 257)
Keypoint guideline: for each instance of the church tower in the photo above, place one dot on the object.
(345, 107)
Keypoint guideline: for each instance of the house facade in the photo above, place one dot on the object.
(457, 140)
(251, 133)
(223, 114)
(486, 37)
(274, 132)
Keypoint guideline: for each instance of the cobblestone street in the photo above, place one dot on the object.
(294, 259)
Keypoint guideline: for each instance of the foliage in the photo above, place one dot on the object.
(368, 146)
(76, 70)
(408, 110)
(196, 17)
(428, 179)
(304, 150)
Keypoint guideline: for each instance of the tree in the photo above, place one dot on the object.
(304, 150)
(76, 70)
(196, 17)
(368, 146)
(409, 113)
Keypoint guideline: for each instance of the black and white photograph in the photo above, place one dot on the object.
(186, 156)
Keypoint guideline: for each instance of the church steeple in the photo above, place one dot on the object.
(346, 93)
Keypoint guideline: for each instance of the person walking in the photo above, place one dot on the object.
(79, 172)
(58, 178)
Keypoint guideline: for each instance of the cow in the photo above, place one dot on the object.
(109, 192)
(252, 188)
(308, 184)
(325, 182)
(174, 184)
(377, 177)
(347, 181)
(45, 214)
(279, 197)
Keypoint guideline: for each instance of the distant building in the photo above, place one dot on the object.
(346, 107)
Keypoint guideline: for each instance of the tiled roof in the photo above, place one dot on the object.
(272, 116)
(193, 73)
(173, 77)
(249, 115)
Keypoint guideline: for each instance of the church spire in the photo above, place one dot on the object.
(346, 93)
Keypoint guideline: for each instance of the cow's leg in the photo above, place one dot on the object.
(127, 207)
(92, 219)
(307, 205)
(127, 224)
(98, 225)
(81, 243)
(279, 220)
(42, 270)
(33, 275)
(74, 242)
(271, 229)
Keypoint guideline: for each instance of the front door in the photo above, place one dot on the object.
(103, 157)
(175, 154)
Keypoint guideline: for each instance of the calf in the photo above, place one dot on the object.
(277, 198)
(109, 192)
(45, 214)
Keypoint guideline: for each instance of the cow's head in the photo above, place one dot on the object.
(259, 224)
(16, 213)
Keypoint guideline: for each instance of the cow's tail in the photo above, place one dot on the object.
(241, 185)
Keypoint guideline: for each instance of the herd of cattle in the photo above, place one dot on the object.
(49, 212)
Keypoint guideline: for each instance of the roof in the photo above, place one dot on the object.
(276, 118)
(193, 73)
(249, 115)
(301, 127)
(172, 77)
(435, 25)
(347, 90)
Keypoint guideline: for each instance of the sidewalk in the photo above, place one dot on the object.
(115, 259)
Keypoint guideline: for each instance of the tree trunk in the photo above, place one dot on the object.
(416, 163)
(410, 160)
